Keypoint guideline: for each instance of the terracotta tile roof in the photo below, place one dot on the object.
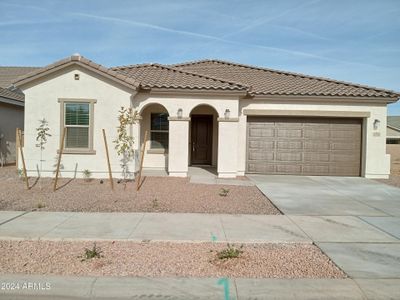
(78, 59)
(160, 76)
(394, 121)
(263, 81)
(10, 74)
(6, 93)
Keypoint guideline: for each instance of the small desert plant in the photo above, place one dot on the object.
(223, 192)
(40, 205)
(230, 252)
(87, 175)
(94, 252)
(155, 203)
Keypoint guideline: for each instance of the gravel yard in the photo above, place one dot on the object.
(156, 259)
(157, 194)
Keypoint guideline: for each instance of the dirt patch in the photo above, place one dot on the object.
(166, 259)
(394, 151)
(157, 194)
(393, 180)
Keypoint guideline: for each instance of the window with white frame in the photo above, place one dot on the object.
(77, 122)
(159, 129)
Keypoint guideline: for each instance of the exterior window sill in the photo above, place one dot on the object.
(157, 151)
(78, 151)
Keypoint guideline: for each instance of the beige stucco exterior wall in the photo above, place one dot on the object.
(42, 102)
(229, 144)
(375, 161)
(11, 117)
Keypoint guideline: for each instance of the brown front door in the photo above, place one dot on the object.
(201, 146)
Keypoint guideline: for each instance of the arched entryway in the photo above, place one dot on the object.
(203, 136)
(154, 120)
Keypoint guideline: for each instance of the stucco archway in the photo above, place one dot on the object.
(154, 120)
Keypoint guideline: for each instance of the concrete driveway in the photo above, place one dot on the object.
(330, 196)
(355, 221)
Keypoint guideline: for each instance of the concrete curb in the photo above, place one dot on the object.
(69, 287)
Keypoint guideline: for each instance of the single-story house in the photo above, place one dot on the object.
(11, 112)
(393, 130)
(238, 118)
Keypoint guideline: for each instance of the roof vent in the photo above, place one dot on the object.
(76, 56)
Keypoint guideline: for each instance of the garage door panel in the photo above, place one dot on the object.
(289, 145)
(345, 145)
(288, 156)
(261, 132)
(316, 145)
(344, 134)
(316, 169)
(343, 170)
(261, 144)
(316, 157)
(316, 134)
(289, 133)
(261, 167)
(304, 146)
(261, 155)
(288, 169)
(344, 157)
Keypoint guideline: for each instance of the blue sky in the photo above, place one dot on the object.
(352, 40)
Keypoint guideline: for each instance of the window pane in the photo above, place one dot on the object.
(159, 121)
(77, 114)
(159, 140)
(77, 137)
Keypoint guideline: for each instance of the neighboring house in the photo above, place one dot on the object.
(393, 130)
(238, 118)
(11, 112)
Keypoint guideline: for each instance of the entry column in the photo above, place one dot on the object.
(227, 147)
(178, 152)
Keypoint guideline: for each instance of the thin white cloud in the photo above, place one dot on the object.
(303, 32)
(22, 22)
(265, 20)
(147, 25)
(214, 38)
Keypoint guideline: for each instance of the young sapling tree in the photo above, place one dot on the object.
(42, 133)
(124, 141)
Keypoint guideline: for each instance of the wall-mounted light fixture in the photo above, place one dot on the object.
(179, 113)
(376, 124)
(227, 113)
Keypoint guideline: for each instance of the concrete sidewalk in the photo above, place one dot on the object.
(150, 226)
(58, 287)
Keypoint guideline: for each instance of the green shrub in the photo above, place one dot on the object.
(223, 192)
(87, 175)
(230, 252)
(95, 252)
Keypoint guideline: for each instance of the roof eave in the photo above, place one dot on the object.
(12, 101)
(316, 98)
(40, 74)
(225, 92)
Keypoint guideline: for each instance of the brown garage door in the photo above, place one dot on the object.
(304, 146)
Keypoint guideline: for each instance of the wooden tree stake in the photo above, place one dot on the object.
(108, 160)
(141, 162)
(22, 157)
(59, 158)
(17, 145)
